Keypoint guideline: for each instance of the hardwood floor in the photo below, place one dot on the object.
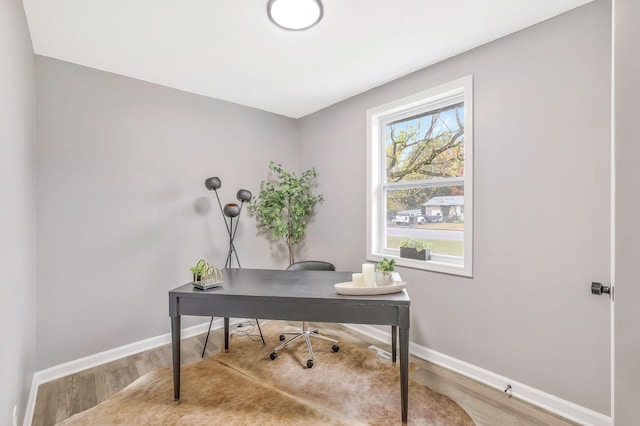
(61, 398)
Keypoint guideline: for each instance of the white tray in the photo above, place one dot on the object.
(349, 289)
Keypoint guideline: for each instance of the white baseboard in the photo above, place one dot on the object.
(559, 406)
(94, 360)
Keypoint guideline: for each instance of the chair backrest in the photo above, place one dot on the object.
(311, 265)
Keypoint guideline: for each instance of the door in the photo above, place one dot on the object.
(626, 172)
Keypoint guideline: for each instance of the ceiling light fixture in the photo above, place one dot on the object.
(295, 15)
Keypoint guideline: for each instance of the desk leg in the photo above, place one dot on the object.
(226, 334)
(394, 342)
(175, 346)
(404, 372)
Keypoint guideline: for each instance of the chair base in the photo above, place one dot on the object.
(306, 335)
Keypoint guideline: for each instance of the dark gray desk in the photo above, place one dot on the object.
(291, 295)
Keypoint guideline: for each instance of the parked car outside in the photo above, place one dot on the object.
(434, 218)
(404, 220)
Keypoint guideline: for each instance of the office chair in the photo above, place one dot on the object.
(305, 333)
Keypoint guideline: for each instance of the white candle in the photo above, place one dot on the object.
(358, 279)
(369, 272)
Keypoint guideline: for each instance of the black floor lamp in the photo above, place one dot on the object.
(230, 211)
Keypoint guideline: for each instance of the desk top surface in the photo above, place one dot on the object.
(279, 284)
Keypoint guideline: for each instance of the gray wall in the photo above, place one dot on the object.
(122, 211)
(627, 208)
(122, 208)
(17, 209)
(542, 206)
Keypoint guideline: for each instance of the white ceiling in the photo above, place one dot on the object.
(230, 50)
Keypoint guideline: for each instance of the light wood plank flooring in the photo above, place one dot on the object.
(61, 398)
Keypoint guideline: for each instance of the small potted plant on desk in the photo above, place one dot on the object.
(415, 249)
(199, 271)
(383, 274)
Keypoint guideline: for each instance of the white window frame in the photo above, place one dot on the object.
(458, 90)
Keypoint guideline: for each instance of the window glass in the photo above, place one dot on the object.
(433, 215)
(430, 145)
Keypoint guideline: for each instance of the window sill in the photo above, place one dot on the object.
(438, 263)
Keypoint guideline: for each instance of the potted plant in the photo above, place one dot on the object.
(199, 271)
(285, 204)
(415, 249)
(383, 274)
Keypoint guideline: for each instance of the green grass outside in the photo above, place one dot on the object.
(458, 226)
(447, 247)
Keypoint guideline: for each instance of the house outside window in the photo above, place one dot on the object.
(419, 179)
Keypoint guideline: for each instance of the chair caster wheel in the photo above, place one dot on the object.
(335, 348)
(309, 363)
(281, 337)
(273, 356)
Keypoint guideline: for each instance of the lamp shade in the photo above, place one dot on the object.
(212, 183)
(295, 15)
(244, 195)
(231, 210)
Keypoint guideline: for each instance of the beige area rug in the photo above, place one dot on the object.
(244, 387)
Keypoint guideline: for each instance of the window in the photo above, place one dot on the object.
(419, 183)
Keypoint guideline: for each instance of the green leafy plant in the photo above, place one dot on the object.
(199, 270)
(285, 204)
(419, 245)
(387, 265)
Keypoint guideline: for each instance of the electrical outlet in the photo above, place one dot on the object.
(15, 415)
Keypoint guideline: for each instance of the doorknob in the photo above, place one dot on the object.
(598, 289)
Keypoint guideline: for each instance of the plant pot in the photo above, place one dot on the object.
(412, 253)
(383, 278)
